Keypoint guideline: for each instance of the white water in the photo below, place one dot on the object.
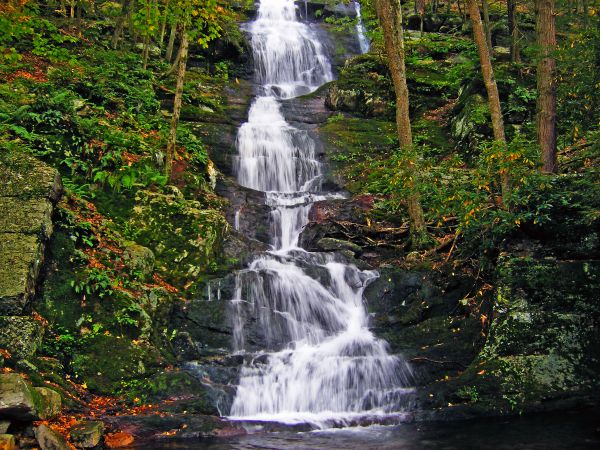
(361, 32)
(317, 360)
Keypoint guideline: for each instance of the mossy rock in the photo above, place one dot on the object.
(24, 177)
(21, 336)
(186, 239)
(108, 362)
(20, 401)
(21, 257)
(87, 433)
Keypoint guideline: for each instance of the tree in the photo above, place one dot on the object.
(546, 67)
(490, 86)
(389, 13)
(513, 30)
(125, 7)
(200, 22)
(485, 6)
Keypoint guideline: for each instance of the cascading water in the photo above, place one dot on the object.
(318, 362)
(361, 32)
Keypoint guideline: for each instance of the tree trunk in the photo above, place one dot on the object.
(171, 44)
(390, 16)
(546, 102)
(182, 57)
(420, 10)
(513, 28)
(490, 86)
(163, 25)
(486, 24)
(119, 27)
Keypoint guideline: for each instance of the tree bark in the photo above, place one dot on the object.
(490, 86)
(390, 17)
(171, 44)
(163, 25)
(546, 102)
(513, 29)
(120, 26)
(486, 24)
(182, 57)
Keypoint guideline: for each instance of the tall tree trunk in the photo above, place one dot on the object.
(546, 102)
(182, 57)
(120, 26)
(486, 24)
(513, 29)
(163, 25)
(171, 44)
(390, 16)
(490, 86)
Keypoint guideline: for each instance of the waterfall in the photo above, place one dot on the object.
(360, 29)
(317, 360)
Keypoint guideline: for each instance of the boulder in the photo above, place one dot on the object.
(139, 258)
(48, 404)
(48, 439)
(7, 442)
(87, 433)
(16, 398)
(4, 425)
(20, 401)
(21, 336)
(332, 244)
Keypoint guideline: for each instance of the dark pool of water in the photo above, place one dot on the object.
(566, 430)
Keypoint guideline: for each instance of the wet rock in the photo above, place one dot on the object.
(48, 439)
(87, 434)
(332, 245)
(21, 336)
(246, 210)
(8, 442)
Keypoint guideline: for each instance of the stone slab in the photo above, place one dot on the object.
(30, 216)
(21, 257)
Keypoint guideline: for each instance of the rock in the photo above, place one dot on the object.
(87, 434)
(7, 442)
(246, 211)
(31, 216)
(49, 404)
(331, 245)
(118, 439)
(48, 439)
(21, 336)
(29, 188)
(16, 398)
(139, 258)
(21, 257)
(24, 177)
(186, 238)
(4, 425)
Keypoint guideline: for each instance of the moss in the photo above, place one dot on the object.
(107, 362)
(185, 238)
